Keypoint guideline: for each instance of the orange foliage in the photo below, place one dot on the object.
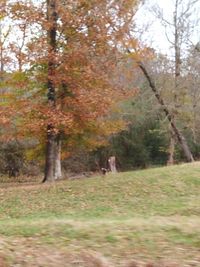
(89, 35)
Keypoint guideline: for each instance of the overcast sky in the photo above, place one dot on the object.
(154, 34)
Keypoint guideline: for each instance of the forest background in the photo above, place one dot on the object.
(80, 76)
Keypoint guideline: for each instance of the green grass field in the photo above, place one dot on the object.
(147, 216)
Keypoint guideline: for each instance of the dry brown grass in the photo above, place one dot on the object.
(3, 261)
(158, 264)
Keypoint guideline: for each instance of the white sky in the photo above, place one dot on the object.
(153, 33)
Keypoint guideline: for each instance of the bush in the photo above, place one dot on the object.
(12, 158)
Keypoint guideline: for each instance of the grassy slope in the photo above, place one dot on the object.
(146, 214)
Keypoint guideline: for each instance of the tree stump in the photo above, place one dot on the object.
(112, 164)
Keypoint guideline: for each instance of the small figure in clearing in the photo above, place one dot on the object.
(104, 171)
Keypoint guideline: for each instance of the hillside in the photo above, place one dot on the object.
(147, 216)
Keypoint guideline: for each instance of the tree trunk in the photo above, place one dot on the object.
(171, 151)
(177, 74)
(177, 47)
(1, 55)
(112, 164)
(50, 162)
(53, 169)
(180, 138)
(1, 60)
(58, 169)
(49, 175)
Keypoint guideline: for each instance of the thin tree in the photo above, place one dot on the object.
(178, 33)
(176, 132)
(51, 134)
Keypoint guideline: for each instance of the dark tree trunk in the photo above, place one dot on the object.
(51, 135)
(53, 156)
(49, 174)
(179, 136)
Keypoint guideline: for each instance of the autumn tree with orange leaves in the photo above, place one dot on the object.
(64, 81)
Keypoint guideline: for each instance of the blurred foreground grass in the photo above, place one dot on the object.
(143, 215)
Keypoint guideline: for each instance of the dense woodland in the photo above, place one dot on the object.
(78, 85)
